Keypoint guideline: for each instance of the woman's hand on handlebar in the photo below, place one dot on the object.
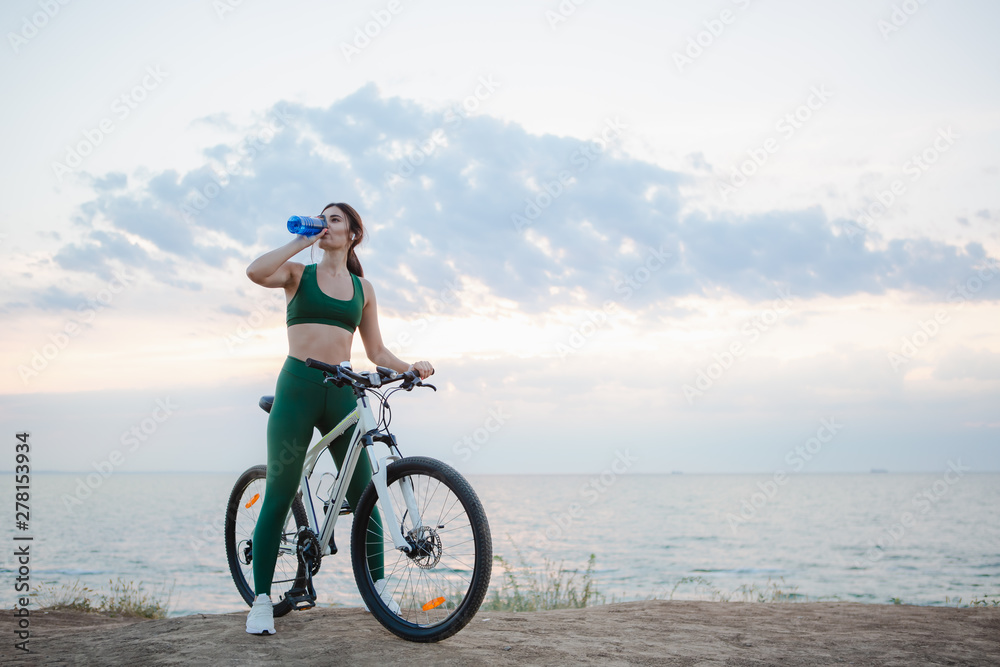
(424, 368)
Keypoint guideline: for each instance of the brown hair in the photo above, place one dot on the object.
(357, 228)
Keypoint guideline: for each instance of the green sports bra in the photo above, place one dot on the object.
(310, 304)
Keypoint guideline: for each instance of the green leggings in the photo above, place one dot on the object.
(302, 402)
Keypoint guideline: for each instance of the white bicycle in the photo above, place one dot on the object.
(432, 521)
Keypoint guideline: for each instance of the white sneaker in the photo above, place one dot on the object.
(380, 588)
(260, 620)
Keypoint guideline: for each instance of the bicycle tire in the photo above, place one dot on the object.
(446, 611)
(238, 544)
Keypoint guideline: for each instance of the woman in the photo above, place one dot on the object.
(326, 303)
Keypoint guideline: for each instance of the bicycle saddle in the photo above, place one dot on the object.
(265, 403)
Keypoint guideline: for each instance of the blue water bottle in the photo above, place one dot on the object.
(305, 225)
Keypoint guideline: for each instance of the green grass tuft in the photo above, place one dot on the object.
(125, 598)
(772, 591)
(984, 601)
(553, 587)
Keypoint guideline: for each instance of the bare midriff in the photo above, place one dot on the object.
(323, 342)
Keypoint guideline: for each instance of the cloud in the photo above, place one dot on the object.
(542, 221)
(52, 297)
(963, 362)
(92, 255)
(109, 182)
(215, 120)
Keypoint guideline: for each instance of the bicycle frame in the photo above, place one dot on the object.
(366, 426)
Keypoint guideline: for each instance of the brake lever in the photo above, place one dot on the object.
(417, 382)
(335, 379)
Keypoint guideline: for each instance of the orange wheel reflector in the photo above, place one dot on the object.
(255, 498)
(436, 602)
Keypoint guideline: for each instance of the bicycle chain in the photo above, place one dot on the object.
(308, 550)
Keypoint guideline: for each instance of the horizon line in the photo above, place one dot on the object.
(877, 471)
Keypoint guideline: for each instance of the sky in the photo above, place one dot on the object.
(723, 237)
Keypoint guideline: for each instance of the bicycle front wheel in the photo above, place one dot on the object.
(433, 591)
(241, 519)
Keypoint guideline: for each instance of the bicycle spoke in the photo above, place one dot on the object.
(440, 520)
(442, 577)
(452, 545)
(430, 497)
(465, 527)
(242, 515)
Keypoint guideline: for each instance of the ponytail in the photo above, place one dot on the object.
(354, 264)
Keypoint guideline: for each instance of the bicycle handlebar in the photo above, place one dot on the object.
(341, 374)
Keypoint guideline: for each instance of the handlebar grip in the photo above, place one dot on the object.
(315, 363)
(408, 376)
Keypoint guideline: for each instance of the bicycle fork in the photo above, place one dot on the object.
(396, 527)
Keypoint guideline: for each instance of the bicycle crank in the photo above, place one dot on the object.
(304, 597)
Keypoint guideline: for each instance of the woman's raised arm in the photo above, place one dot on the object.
(272, 269)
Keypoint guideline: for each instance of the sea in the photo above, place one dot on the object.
(925, 539)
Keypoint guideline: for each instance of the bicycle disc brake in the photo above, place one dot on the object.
(427, 548)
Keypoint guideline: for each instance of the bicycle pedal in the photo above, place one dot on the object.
(345, 508)
(301, 599)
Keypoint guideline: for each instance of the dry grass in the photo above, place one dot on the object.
(124, 598)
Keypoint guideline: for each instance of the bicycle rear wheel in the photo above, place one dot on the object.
(241, 519)
(435, 590)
